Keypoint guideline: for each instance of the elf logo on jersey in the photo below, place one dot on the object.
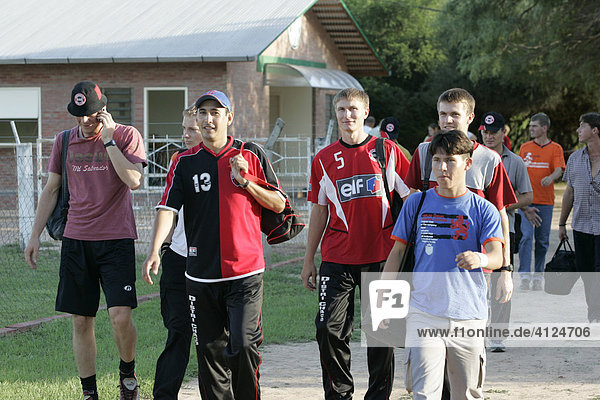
(359, 186)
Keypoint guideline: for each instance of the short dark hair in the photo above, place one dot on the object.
(542, 118)
(458, 95)
(592, 119)
(351, 94)
(452, 142)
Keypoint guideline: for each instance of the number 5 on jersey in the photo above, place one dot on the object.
(202, 183)
(338, 157)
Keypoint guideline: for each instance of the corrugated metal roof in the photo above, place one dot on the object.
(75, 31)
(119, 30)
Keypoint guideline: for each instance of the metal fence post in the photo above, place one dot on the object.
(25, 193)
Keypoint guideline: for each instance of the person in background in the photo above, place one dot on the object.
(174, 306)
(582, 195)
(493, 132)
(506, 139)
(432, 130)
(545, 163)
(487, 177)
(390, 129)
(369, 124)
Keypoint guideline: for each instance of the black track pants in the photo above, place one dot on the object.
(226, 325)
(335, 323)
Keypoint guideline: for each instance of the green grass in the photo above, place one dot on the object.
(29, 294)
(288, 308)
(39, 364)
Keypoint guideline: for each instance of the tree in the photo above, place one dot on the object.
(527, 56)
(403, 34)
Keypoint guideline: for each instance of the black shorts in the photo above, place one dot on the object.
(85, 265)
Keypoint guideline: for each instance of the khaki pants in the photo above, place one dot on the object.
(445, 340)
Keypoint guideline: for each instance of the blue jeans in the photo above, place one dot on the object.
(542, 240)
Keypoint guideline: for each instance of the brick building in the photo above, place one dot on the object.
(274, 58)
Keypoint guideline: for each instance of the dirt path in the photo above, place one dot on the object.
(293, 372)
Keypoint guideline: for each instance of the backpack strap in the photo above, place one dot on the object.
(380, 153)
(64, 181)
(427, 169)
(257, 180)
(412, 237)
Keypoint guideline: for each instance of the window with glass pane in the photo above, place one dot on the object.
(120, 104)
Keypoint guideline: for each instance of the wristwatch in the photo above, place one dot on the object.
(508, 268)
(111, 142)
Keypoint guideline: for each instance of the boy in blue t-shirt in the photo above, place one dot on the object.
(449, 288)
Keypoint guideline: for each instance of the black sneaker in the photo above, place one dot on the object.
(129, 389)
(537, 285)
(499, 348)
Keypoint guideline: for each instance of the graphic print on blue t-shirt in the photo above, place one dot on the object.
(445, 228)
(458, 225)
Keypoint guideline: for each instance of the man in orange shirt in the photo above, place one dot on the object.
(545, 163)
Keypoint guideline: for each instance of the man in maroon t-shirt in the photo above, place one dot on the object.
(104, 163)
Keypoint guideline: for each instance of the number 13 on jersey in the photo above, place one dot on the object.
(202, 182)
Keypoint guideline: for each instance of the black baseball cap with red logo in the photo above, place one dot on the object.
(390, 128)
(492, 122)
(86, 99)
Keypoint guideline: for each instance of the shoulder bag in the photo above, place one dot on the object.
(561, 272)
(58, 219)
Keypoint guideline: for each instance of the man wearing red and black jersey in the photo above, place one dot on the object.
(224, 248)
(352, 214)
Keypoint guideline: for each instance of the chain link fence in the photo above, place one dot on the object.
(27, 294)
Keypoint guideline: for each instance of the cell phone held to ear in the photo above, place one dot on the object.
(98, 116)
